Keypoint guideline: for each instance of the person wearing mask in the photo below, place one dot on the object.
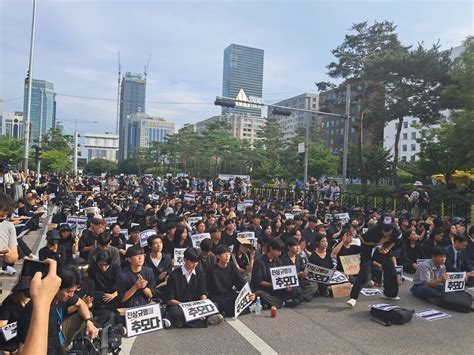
(186, 284)
(430, 276)
(68, 244)
(377, 243)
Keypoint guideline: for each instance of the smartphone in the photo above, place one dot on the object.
(31, 267)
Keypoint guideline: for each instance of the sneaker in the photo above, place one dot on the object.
(396, 298)
(370, 283)
(10, 271)
(166, 323)
(215, 319)
(351, 303)
(2, 272)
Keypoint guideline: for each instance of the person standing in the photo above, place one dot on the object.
(418, 200)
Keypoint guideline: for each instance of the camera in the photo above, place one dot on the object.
(108, 342)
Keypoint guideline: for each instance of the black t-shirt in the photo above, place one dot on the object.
(10, 310)
(65, 245)
(105, 281)
(374, 235)
(325, 262)
(118, 241)
(352, 250)
(221, 280)
(126, 279)
(86, 240)
(46, 253)
(261, 270)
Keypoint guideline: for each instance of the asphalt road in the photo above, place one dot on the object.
(324, 325)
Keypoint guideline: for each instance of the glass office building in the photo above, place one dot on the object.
(243, 69)
(132, 100)
(42, 96)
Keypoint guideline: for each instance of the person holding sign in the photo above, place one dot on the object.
(377, 243)
(261, 281)
(345, 248)
(186, 284)
(321, 257)
(222, 278)
(456, 258)
(430, 276)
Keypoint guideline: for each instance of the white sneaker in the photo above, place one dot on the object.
(10, 271)
(166, 323)
(2, 272)
(351, 303)
(396, 298)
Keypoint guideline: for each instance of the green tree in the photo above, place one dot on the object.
(56, 160)
(10, 148)
(377, 161)
(54, 139)
(99, 166)
(413, 82)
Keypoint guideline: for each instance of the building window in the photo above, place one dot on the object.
(413, 147)
(413, 135)
(405, 136)
(405, 124)
(404, 148)
(404, 158)
(412, 158)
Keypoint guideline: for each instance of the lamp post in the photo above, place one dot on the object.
(38, 168)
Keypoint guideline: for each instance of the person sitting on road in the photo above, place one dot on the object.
(430, 276)
(456, 259)
(434, 239)
(345, 248)
(186, 284)
(159, 262)
(411, 251)
(261, 281)
(51, 250)
(223, 280)
(68, 244)
(103, 273)
(104, 242)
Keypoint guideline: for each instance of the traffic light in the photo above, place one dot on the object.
(224, 102)
(281, 111)
(38, 152)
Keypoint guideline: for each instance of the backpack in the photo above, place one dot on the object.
(423, 199)
(459, 301)
(389, 314)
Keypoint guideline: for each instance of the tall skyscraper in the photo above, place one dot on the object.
(132, 100)
(243, 69)
(43, 107)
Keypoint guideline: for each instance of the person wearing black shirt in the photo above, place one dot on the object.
(157, 261)
(103, 273)
(222, 278)
(168, 247)
(229, 236)
(411, 251)
(320, 256)
(51, 250)
(88, 238)
(435, 239)
(61, 331)
(309, 233)
(261, 281)
(383, 236)
(68, 244)
(118, 238)
(186, 284)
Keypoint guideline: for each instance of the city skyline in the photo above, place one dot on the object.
(77, 44)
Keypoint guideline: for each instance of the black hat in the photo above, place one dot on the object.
(191, 255)
(65, 227)
(387, 221)
(53, 235)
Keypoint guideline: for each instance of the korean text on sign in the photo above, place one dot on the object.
(143, 319)
(455, 282)
(318, 274)
(284, 276)
(198, 309)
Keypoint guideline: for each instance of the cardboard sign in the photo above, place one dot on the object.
(350, 264)
(143, 319)
(193, 220)
(369, 292)
(198, 309)
(145, 235)
(341, 290)
(179, 256)
(338, 278)
(318, 274)
(250, 236)
(196, 239)
(456, 281)
(243, 300)
(284, 276)
(343, 217)
(432, 314)
(9, 331)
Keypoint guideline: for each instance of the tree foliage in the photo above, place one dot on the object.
(55, 160)
(99, 166)
(10, 148)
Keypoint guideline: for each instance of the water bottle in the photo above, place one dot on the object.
(258, 306)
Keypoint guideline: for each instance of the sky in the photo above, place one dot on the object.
(77, 43)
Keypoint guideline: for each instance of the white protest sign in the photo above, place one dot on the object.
(328, 217)
(179, 256)
(9, 331)
(196, 239)
(284, 276)
(198, 309)
(371, 292)
(51, 196)
(125, 233)
(343, 217)
(145, 235)
(193, 220)
(456, 281)
(189, 196)
(432, 314)
(240, 207)
(318, 274)
(289, 216)
(76, 220)
(143, 319)
(248, 203)
(338, 278)
(243, 300)
(110, 220)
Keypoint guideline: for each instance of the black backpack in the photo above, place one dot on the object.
(389, 314)
(423, 199)
(459, 301)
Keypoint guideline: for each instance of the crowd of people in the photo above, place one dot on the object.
(105, 265)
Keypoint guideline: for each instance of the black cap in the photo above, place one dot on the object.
(65, 227)
(191, 254)
(387, 221)
(53, 235)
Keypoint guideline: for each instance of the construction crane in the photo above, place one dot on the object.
(146, 66)
(118, 96)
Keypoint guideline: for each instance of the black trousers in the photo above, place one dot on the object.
(176, 316)
(390, 282)
(275, 298)
(225, 303)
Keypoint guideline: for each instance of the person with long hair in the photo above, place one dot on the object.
(411, 251)
(435, 239)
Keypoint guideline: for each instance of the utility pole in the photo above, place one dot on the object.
(38, 168)
(306, 148)
(346, 137)
(117, 125)
(26, 124)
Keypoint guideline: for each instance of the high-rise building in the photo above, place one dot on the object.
(101, 145)
(243, 69)
(290, 124)
(12, 125)
(143, 129)
(132, 100)
(1, 116)
(241, 126)
(43, 107)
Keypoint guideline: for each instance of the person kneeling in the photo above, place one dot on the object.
(187, 284)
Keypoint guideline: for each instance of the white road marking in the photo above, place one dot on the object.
(127, 344)
(251, 337)
(42, 242)
(408, 278)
